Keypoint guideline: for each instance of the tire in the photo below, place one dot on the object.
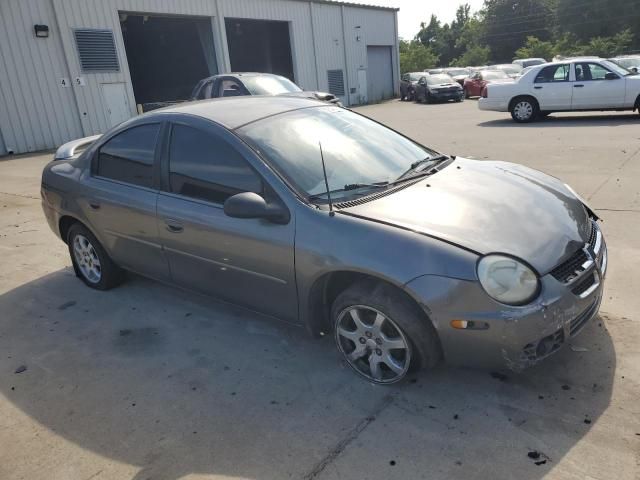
(427, 98)
(524, 109)
(466, 94)
(90, 261)
(381, 333)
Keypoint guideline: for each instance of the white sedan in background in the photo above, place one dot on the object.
(569, 86)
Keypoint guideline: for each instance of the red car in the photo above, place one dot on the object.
(474, 85)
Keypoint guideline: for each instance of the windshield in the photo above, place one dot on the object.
(356, 150)
(628, 62)
(457, 72)
(616, 68)
(269, 85)
(438, 79)
(414, 77)
(494, 74)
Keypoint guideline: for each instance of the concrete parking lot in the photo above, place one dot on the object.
(150, 382)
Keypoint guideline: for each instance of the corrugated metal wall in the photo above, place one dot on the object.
(41, 114)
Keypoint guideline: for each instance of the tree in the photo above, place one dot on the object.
(474, 57)
(536, 48)
(415, 57)
(609, 46)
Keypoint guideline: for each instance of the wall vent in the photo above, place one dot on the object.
(336, 82)
(96, 50)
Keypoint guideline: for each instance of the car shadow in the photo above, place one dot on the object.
(175, 383)
(566, 120)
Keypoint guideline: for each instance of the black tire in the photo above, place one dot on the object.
(404, 315)
(524, 109)
(110, 274)
(427, 98)
(466, 94)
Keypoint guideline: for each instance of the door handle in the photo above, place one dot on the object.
(173, 226)
(538, 88)
(94, 205)
(578, 86)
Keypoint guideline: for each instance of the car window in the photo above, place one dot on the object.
(588, 71)
(414, 77)
(269, 85)
(204, 166)
(553, 73)
(405, 77)
(229, 87)
(128, 157)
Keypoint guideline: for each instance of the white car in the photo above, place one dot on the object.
(568, 86)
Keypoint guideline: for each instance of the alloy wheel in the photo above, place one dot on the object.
(372, 343)
(87, 259)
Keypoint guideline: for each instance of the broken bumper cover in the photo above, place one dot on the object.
(506, 336)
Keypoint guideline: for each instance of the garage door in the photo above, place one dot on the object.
(380, 73)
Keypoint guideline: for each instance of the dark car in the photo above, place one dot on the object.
(408, 85)
(240, 84)
(438, 88)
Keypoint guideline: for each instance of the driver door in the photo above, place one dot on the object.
(592, 90)
(245, 261)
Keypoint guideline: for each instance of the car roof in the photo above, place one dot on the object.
(233, 112)
(239, 75)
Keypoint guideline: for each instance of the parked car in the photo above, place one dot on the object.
(630, 62)
(438, 88)
(240, 84)
(511, 69)
(576, 85)
(407, 85)
(475, 84)
(529, 62)
(458, 74)
(406, 255)
(435, 71)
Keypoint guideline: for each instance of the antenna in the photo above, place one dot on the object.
(326, 182)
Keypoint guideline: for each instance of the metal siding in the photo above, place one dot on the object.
(329, 51)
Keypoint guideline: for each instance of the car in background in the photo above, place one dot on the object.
(458, 74)
(434, 71)
(403, 255)
(407, 85)
(475, 84)
(529, 62)
(511, 69)
(630, 62)
(575, 85)
(249, 83)
(438, 88)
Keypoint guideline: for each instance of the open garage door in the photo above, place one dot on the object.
(379, 73)
(259, 46)
(167, 56)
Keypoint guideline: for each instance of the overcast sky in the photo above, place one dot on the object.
(412, 12)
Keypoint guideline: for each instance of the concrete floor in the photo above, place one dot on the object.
(150, 382)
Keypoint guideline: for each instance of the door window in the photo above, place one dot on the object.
(229, 87)
(128, 157)
(554, 73)
(205, 167)
(587, 71)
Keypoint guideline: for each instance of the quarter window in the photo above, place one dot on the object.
(554, 73)
(229, 88)
(205, 167)
(128, 157)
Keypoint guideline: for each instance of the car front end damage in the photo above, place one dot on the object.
(476, 330)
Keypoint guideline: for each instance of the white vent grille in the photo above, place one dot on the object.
(336, 82)
(96, 50)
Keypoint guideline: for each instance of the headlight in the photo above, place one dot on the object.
(507, 280)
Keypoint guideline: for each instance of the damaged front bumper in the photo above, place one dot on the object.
(507, 336)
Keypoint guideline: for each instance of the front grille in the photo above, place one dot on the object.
(584, 285)
(581, 320)
(569, 269)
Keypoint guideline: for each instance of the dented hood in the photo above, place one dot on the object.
(489, 207)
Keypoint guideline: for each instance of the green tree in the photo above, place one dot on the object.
(536, 48)
(609, 46)
(415, 57)
(474, 57)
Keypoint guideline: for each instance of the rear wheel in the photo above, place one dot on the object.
(524, 109)
(381, 334)
(90, 261)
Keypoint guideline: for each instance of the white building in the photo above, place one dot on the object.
(73, 68)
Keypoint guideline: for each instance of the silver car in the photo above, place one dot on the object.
(406, 256)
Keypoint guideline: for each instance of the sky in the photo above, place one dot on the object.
(412, 12)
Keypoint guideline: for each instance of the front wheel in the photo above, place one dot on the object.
(90, 261)
(381, 334)
(524, 110)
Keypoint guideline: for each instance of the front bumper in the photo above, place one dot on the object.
(507, 336)
(445, 96)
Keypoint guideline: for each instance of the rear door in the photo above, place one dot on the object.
(245, 261)
(552, 87)
(592, 90)
(121, 199)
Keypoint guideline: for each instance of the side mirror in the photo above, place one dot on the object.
(611, 76)
(252, 205)
(634, 69)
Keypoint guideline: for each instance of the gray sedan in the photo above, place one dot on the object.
(325, 219)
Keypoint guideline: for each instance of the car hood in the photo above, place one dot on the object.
(489, 207)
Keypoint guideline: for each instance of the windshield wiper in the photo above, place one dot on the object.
(425, 163)
(351, 186)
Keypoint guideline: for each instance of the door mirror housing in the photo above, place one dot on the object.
(252, 205)
(634, 69)
(611, 76)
